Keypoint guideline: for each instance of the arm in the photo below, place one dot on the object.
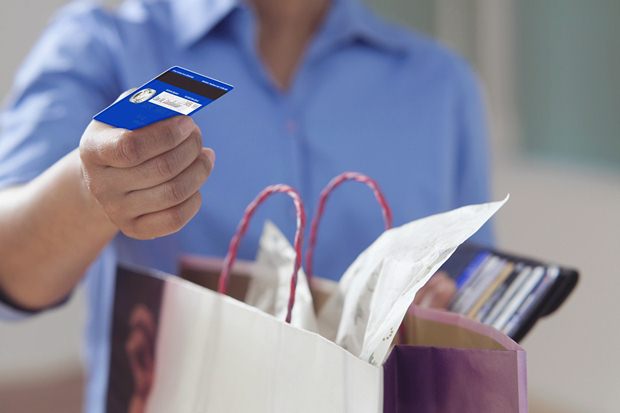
(144, 183)
(52, 230)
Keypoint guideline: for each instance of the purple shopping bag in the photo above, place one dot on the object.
(453, 364)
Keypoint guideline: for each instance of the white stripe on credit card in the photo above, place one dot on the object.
(176, 103)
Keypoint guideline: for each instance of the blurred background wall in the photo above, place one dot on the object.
(550, 69)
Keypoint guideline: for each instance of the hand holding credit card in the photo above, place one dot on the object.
(177, 91)
(143, 160)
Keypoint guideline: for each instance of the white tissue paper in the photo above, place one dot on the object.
(375, 292)
(370, 301)
(269, 288)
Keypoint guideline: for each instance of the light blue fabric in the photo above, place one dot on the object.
(369, 96)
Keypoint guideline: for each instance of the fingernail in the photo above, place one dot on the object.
(211, 155)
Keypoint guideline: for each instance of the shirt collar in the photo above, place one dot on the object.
(349, 20)
(195, 18)
(359, 23)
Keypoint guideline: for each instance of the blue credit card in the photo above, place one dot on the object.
(177, 91)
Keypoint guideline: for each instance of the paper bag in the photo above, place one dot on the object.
(445, 362)
(181, 347)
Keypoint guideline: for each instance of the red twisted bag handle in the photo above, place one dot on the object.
(243, 227)
(333, 184)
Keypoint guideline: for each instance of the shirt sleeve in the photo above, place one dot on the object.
(66, 79)
(99, 284)
(473, 172)
(9, 312)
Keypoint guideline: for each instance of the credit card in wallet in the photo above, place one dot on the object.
(177, 91)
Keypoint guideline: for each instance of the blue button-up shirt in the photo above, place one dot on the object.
(368, 96)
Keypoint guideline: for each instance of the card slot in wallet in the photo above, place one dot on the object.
(527, 301)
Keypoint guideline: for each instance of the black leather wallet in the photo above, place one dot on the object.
(469, 262)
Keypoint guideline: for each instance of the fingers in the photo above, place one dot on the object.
(174, 191)
(148, 180)
(161, 168)
(437, 293)
(121, 148)
(166, 222)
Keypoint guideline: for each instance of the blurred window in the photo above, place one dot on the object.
(566, 71)
(568, 78)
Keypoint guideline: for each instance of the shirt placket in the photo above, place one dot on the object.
(288, 104)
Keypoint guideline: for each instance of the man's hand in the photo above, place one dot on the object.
(438, 292)
(148, 180)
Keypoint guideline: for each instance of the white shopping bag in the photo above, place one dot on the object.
(216, 354)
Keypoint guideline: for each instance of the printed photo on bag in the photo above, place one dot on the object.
(137, 306)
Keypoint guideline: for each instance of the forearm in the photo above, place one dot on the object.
(51, 230)
(144, 182)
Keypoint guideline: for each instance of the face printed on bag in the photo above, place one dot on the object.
(133, 341)
(140, 348)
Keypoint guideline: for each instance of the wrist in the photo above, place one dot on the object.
(87, 201)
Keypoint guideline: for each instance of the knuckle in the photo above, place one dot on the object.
(194, 204)
(198, 201)
(168, 132)
(178, 129)
(84, 150)
(127, 149)
(175, 219)
(88, 151)
(95, 186)
(206, 166)
(197, 138)
(163, 166)
(174, 192)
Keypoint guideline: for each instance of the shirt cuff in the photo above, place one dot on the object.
(11, 311)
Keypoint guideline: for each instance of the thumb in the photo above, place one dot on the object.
(126, 93)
